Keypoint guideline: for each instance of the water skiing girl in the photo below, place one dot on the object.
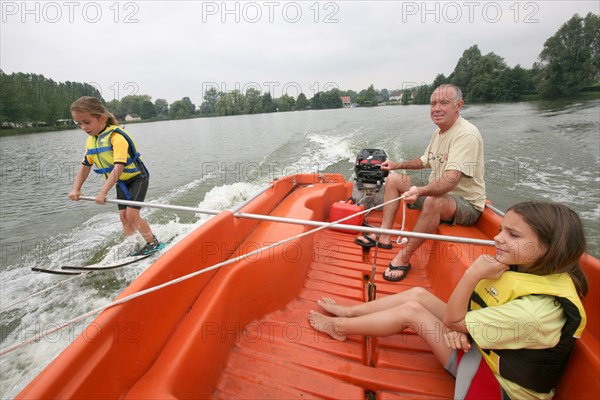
(116, 157)
(529, 293)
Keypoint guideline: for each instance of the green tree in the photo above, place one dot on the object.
(485, 85)
(231, 103)
(515, 83)
(253, 101)
(177, 110)
(183, 108)
(440, 79)
(162, 108)
(115, 107)
(406, 95)
(367, 97)
(147, 110)
(327, 100)
(132, 104)
(302, 102)
(191, 107)
(385, 95)
(591, 35)
(333, 99)
(208, 106)
(423, 95)
(31, 100)
(465, 68)
(285, 103)
(268, 105)
(570, 59)
(478, 76)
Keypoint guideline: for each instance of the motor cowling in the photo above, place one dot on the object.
(367, 169)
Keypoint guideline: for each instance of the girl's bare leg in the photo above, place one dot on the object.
(132, 221)
(410, 314)
(128, 227)
(430, 302)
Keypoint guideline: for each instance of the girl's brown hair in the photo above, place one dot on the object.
(93, 106)
(559, 229)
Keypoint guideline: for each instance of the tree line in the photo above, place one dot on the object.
(568, 65)
(33, 100)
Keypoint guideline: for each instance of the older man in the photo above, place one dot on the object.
(455, 193)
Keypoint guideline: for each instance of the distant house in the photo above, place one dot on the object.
(346, 102)
(64, 122)
(132, 118)
(35, 124)
(396, 95)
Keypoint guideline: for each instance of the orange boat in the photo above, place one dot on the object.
(241, 330)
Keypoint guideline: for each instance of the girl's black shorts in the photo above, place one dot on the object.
(137, 187)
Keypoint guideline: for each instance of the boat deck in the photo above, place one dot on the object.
(282, 343)
(241, 331)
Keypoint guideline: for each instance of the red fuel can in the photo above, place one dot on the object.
(343, 209)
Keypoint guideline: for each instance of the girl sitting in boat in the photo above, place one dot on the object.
(520, 309)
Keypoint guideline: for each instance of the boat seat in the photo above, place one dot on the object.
(580, 380)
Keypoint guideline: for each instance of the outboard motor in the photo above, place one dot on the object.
(366, 191)
(369, 176)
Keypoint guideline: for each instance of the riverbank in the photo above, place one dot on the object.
(592, 94)
(42, 129)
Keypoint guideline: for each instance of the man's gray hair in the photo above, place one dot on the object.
(457, 90)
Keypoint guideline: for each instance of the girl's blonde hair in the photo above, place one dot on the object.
(93, 106)
(559, 229)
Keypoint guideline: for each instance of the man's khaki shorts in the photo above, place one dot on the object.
(465, 213)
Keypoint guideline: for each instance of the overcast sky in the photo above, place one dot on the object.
(173, 49)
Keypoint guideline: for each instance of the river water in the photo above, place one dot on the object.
(533, 151)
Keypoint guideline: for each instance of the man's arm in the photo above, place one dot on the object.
(439, 187)
(445, 184)
(412, 164)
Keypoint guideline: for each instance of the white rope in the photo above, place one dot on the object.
(133, 296)
(402, 240)
(41, 292)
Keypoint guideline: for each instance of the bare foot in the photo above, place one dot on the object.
(325, 324)
(328, 304)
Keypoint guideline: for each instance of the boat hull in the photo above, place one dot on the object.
(240, 331)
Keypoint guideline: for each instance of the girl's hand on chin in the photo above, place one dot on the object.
(487, 267)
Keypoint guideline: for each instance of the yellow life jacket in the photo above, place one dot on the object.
(535, 369)
(100, 150)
